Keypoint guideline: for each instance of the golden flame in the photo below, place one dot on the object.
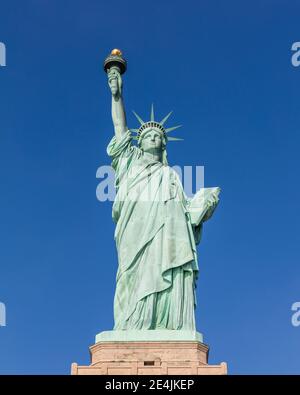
(116, 52)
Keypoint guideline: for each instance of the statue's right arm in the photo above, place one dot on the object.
(117, 105)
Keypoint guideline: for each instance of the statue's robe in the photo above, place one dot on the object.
(157, 272)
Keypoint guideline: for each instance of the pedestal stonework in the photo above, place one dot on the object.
(177, 357)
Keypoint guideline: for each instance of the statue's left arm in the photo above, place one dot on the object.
(201, 207)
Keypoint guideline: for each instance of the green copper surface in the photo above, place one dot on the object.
(157, 230)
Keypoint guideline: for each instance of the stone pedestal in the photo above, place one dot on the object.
(159, 357)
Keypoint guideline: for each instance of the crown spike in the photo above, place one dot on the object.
(166, 118)
(173, 128)
(152, 113)
(174, 139)
(138, 118)
(135, 130)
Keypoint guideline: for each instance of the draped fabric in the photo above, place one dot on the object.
(157, 272)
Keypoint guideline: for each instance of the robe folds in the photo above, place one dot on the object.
(156, 243)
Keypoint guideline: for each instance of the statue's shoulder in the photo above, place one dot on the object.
(121, 146)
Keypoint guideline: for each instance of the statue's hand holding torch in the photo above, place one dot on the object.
(115, 82)
(114, 66)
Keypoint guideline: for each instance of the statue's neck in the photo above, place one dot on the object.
(154, 155)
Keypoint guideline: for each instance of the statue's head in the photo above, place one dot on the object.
(152, 139)
(152, 136)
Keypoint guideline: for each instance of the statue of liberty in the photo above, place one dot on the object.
(157, 226)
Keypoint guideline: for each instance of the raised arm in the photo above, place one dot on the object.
(117, 106)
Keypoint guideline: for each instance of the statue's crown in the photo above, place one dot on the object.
(152, 124)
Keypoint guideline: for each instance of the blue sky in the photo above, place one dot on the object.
(225, 69)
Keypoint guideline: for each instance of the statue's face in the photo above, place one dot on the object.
(152, 141)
